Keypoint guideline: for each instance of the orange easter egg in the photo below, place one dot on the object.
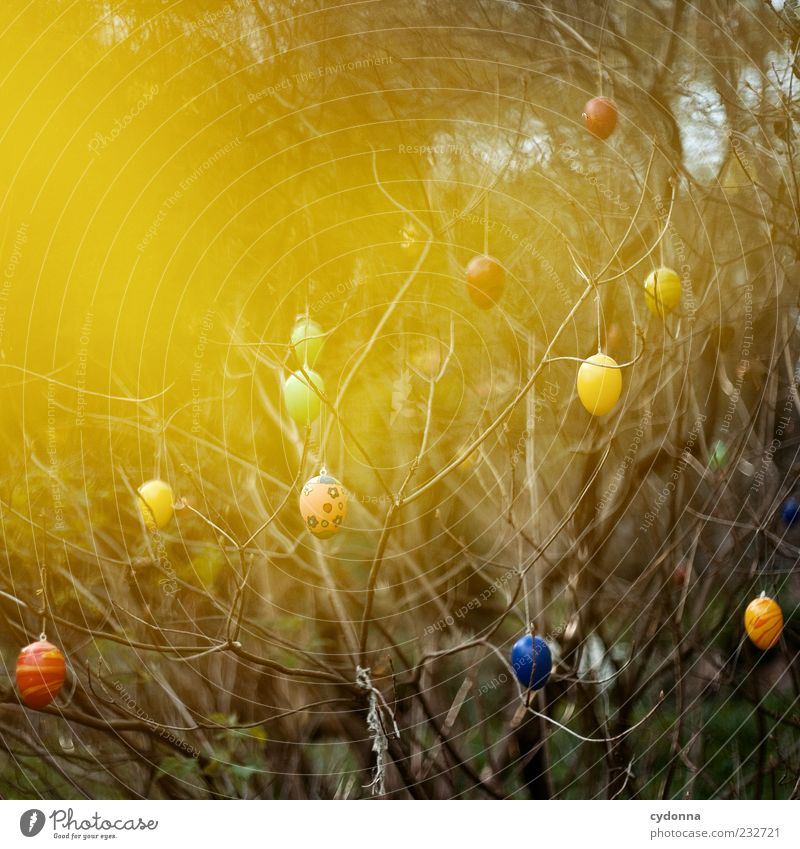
(763, 621)
(486, 280)
(600, 116)
(40, 673)
(323, 505)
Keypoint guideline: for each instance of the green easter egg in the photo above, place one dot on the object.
(302, 403)
(719, 455)
(307, 339)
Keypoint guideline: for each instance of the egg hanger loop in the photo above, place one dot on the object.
(323, 429)
(772, 586)
(157, 456)
(599, 324)
(524, 583)
(489, 182)
(43, 579)
(600, 75)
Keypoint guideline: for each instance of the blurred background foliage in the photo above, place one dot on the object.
(182, 179)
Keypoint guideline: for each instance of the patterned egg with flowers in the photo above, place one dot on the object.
(323, 505)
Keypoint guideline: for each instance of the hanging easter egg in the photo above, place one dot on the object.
(40, 673)
(302, 402)
(600, 116)
(763, 621)
(156, 502)
(307, 340)
(532, 662)
(790, 512)
(323, 505)
(599, 384)
(486, 280)
(718, 456)
(662, 291)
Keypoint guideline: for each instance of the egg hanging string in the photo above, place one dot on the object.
(599, 322)
(43, 579)
(323, 430)
(486, 193)
(323, 419)
(600, 77)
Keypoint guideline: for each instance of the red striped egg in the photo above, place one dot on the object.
(40, 673)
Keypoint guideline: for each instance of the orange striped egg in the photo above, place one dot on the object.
(40, 673)
(763, 621)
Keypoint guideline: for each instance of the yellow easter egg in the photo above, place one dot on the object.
(599, 384)
(156, 503)
(662, 291)
(763, 621)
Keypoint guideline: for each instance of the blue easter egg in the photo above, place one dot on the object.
(523, 662)
(791, 511)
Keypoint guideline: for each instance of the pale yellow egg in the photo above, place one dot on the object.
(599, 384)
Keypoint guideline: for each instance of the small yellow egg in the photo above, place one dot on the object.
(156, 503)
(599, 384)
(763, 621)
(662, 291)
